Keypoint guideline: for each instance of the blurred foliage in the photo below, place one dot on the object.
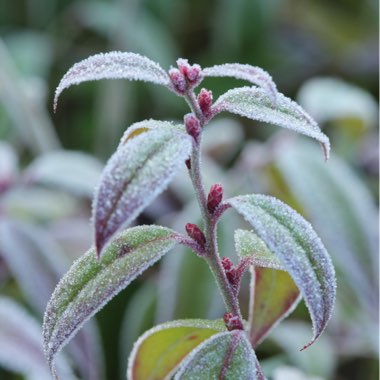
(323, 53)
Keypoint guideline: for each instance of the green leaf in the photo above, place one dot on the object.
(248, 244)
(91, 283)
(113, 65)
(273, 293)
(159, 351)
(292, 239)
(256, 104)
(148, 157)
(226, 355)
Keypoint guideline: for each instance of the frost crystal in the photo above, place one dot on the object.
(113, 65)
(255, 104)
(292, 239)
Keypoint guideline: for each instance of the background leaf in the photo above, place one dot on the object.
(303, 255)
(159, 351)
(255, 104)
(91, 283)
(138, 171)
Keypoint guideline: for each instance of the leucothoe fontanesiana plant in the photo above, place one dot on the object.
(281, 244)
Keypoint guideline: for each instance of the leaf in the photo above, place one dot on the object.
(255, 104)
(252, 74)
(138, 171)
(72, 171)
(226, 355)
(248, 244)
(37, 263)
(158, 352)
(21, 343)
(338, 203)
(91, 283)
(273, 293)
(113, 65)
(292, 239)
(275, 296)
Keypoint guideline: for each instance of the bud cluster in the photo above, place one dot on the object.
(185, 76)
(196, 234)
(215, 197)
(232, 322)
(231, 272)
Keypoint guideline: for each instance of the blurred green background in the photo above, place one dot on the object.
(324, 54)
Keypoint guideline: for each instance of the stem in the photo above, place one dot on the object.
(211, 249)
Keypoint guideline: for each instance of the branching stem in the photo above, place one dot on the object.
(210, 222)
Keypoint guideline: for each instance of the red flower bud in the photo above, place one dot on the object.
(196, 234)
(231, 272)
(191, 73)
(178, 80)
(233, 322)
(214, 198)
(193, 126)
(205, 101)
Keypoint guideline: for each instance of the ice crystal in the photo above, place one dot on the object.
(91, 283)
(138, 171)
(113, 65)
(227, 355)
(252, 74)
(292, 239)
(256, 104)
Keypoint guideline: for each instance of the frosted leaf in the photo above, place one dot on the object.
(21, 343)
(139, 170)
(255, 104)
(292, 239)
(91, 283)
(113, 65)
(227, 355)
(158, 352)
(72, 171)
(248, 244)
(252, 74)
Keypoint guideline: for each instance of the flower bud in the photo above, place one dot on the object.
(232, 322)
(214, 198)
(193, 126)
(231, 272)
(205, 101)
(196, 234)
(191, 73)
(178, 80)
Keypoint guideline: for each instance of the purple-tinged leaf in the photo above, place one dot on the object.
(37, 263)
(21, 343)
(252, 74)
(273, 293)
(92, 282)
(227, 355)
(254, 103)
(159, 351)
(139, 170)
(113, 65)
(292, 239)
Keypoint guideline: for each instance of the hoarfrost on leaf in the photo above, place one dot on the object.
(227, 355)
(138, 171)
(256, 104)
(91, 283)
(113, 65)
(252, 74)
(292, 239)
